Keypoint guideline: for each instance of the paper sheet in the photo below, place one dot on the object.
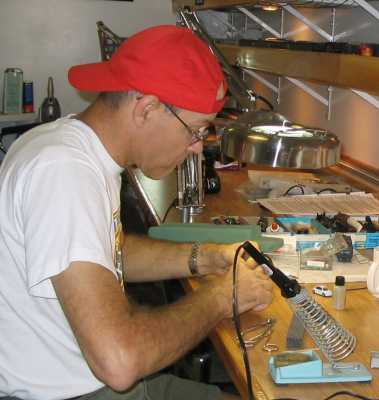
(354, 204)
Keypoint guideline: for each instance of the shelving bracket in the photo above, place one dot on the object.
(261, 79)
(309, 90)
(368, 97)
(325, 101)
(259, 21)
(307, 22)
(369, 8)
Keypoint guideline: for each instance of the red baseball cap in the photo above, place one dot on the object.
(167, 61)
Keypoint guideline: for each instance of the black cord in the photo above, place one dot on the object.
(340, 393)
(172, 204)
(286, 398)
(265, 101)
(238, 328)
(2, 147)
(347, 393)
(327, 190)
(294, 187)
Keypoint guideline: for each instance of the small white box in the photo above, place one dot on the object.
(375, 359)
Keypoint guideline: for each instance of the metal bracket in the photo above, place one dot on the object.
(325, 101)
(261, 79)
(309, 90)
(369, 8)
(259, 21)
(374, 101)
(307, 22)
(330, 37)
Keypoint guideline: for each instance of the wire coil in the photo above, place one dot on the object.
(333, 339)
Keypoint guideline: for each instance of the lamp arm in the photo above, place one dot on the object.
(237, 86)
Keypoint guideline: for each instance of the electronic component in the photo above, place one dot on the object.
(229, 220)
(341, 224)
(369, 225)
(346, 255)
(263, 223)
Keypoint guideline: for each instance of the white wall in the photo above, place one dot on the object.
(45, 37)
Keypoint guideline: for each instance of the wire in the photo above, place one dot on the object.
(294, 187)
(340, 393)
(286, 398)
(331, 190)
(347, 393)
(238, 327)
(172, 204)
(2, 147)
(265, 101)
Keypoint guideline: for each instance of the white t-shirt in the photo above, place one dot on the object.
(59, 203)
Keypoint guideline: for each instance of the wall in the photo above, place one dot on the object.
(45, 37)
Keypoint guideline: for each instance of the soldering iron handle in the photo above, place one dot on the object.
(289, 287)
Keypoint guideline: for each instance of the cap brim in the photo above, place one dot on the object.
(96, 77)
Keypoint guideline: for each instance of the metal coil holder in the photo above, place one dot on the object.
(333, 339)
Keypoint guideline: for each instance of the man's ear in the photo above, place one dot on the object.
(144, 106)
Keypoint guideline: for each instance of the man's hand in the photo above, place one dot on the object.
(254, 288)
(217, 258)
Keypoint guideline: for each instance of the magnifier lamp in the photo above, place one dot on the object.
(260, 137)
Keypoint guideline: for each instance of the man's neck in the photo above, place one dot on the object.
(109, 128)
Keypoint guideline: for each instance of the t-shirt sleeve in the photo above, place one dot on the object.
(67, 216)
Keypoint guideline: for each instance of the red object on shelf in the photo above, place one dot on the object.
(366, 50)
(28, 97)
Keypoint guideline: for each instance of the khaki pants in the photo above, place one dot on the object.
(160, 387)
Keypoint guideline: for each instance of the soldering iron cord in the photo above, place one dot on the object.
(238, 327)
(336, 394)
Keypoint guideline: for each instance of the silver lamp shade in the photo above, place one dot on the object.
(266, 138)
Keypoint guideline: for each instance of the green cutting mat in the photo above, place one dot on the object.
(197, 232)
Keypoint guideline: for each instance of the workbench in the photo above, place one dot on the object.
(361, 317)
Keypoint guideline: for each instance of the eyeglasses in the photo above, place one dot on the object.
(196, 135)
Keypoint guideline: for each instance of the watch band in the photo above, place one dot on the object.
(192, 261)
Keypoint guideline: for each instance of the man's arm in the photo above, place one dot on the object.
(123, 342)
(148, 259)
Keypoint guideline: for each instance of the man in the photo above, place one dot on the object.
(66, 327)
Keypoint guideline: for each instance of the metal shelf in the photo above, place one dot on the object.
(341, 70)
(17, 117)
(210, 4)
(217, 4)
